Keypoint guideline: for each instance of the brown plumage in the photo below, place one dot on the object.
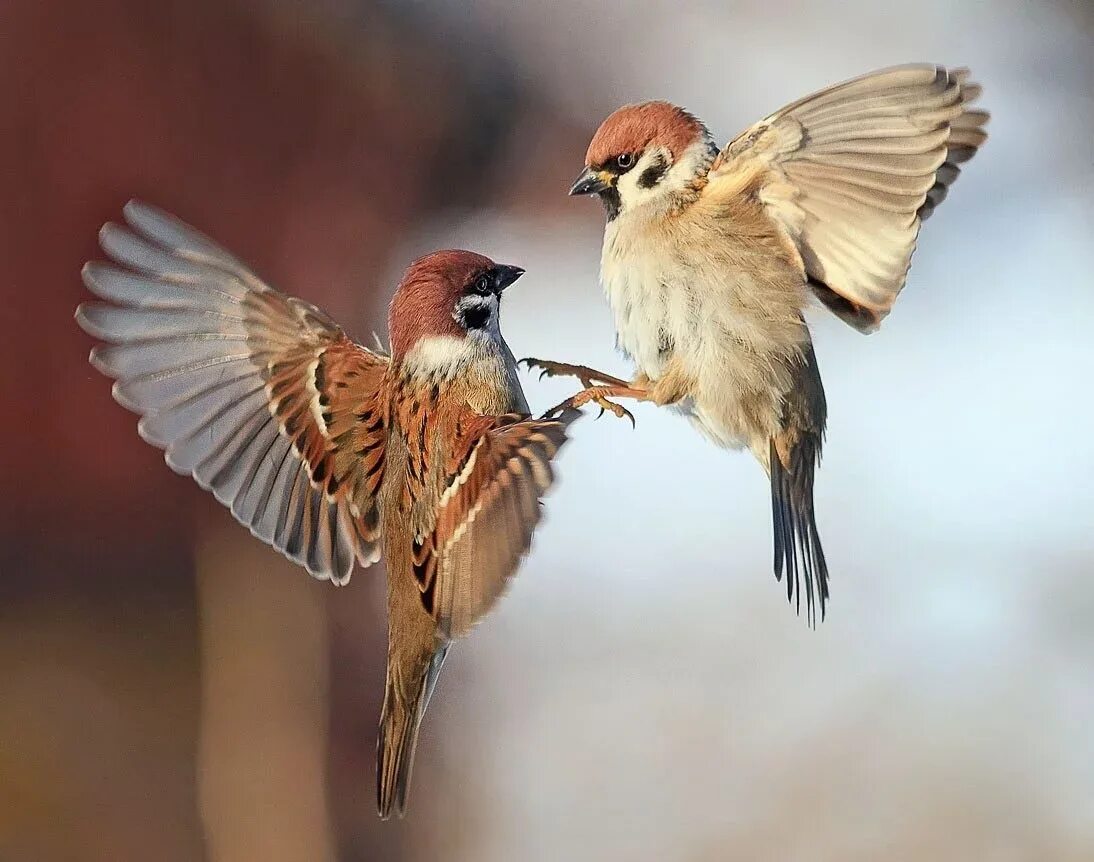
(427, 293)
(710, 257)
(331, 452)
(632, 128)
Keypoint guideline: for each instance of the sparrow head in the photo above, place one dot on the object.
(447, 305)
(645, 153)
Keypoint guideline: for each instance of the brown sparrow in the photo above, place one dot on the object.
(331, 452)
(711, 256)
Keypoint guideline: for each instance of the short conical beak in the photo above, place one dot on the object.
(505, 276)
(591, 182)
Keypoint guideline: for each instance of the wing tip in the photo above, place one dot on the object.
(108, 230)
(97, 361)
(87, 314)
(144, 217)
(88, 275)
(326, 573)
(118, 393)
(134, 207)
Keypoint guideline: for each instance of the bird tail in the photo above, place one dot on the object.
(797, 543)
(793, 455)
(400, 720)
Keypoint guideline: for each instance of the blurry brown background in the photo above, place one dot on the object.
(171, 689)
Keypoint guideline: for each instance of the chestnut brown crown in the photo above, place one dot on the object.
(433, 287)
(633, 128)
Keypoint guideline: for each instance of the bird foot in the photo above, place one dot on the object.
(589, 377)
(601, 395)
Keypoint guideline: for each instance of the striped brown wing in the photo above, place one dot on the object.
(257, 395)
(851, 172)
(489, 507)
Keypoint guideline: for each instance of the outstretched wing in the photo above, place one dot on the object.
(497, 474)
(257, 395)
(851, 172)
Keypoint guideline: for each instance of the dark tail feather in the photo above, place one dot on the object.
(797, 543)
(400, 720)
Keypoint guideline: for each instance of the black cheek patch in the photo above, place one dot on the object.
(652, 175)
(476, 316)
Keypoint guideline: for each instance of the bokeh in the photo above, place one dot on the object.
(173, 690)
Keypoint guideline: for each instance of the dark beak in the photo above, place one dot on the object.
(590, 182)
(505, 276)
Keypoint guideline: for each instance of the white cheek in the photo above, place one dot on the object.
(631, 193)
(694, 161)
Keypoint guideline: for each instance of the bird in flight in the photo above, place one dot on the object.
(333, 453)
(711, 256)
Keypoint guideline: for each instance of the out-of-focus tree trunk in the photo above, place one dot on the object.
(263, 747)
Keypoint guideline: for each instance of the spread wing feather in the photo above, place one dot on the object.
(257, 395)
(851, 172)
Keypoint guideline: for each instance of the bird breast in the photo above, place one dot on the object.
(648, 295)
(477, 370)
(688, 289)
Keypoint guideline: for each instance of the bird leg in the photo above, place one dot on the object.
(597, 387)
(589, 377)
(674, 384)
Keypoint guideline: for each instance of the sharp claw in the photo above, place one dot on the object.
(589, 378)
(622, 412)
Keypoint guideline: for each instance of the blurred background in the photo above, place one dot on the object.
(173, 690)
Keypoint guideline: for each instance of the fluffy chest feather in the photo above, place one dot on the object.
(647, 295)
(695, 289)
(478, 370)
(688, 284)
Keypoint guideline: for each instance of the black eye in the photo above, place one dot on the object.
(625, 160)
(482, 284)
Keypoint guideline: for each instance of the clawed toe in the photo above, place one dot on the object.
(589, 377)
(598, 395)
(618, 409)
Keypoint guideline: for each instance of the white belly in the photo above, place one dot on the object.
(651, 328)
(651, 313)
(733, 338)
(638, 324)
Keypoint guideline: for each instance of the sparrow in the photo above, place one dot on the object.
(711, 256)
(333, 453)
